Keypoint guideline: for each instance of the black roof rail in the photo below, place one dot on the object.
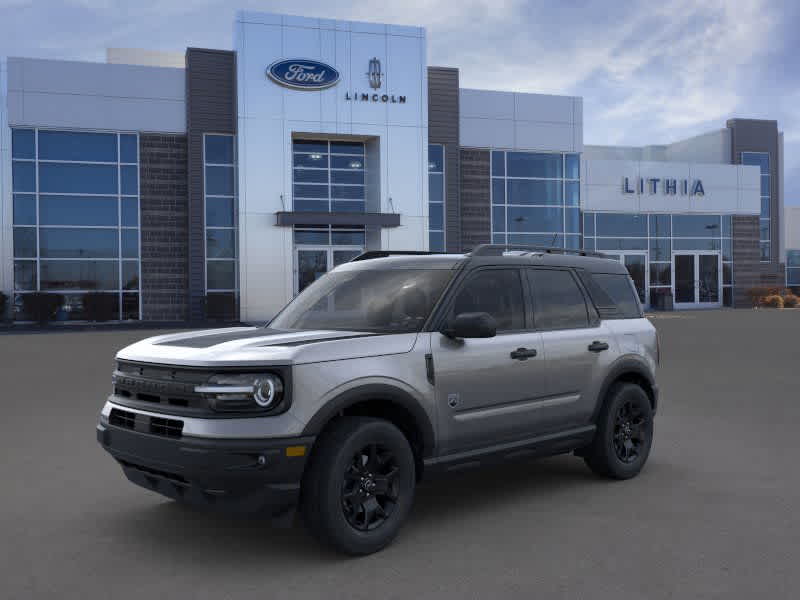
(370, 254)
(499, 249)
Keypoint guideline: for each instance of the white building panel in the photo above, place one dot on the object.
(6, 205)
(485, 104)
(545, 136)
(486, 133)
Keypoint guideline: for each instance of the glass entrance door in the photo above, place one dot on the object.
(311, 263)
(636, 263)
(696, 279)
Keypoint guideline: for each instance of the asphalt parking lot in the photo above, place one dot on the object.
(714, 514)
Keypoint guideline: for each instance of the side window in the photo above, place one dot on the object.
(620, 288)
(558, 302)
(497, 292)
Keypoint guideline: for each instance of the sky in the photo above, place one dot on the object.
(649, 72)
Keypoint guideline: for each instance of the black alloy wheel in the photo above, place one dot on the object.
(629, 431)
(371, 487)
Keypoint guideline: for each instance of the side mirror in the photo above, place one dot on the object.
(471, 325)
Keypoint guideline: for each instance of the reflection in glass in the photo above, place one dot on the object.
(531, 164)
(23, 143)
(219, 212)
(55, 242)
(531, 191)
(66, 178)
(220, 274)
(24, 209)
(77, 146)
(220, 243)
(24, 275)
(80, 275)
(77, 210)
(219, 149)
(25, 242)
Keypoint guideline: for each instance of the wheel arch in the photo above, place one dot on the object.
(628, 370)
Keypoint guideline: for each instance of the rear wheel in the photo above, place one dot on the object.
(359, 486)
(624, 433)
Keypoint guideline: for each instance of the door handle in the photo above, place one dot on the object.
(523, 353)
(596, 346)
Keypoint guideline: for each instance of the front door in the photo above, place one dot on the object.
(697, 279)
(311, 263)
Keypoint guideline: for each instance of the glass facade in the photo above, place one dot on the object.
(761, 160)
(76, 219)
(793, 269)
(219, 158)
(536, 198)
(658, 236)
(328, 176)
(436, 197)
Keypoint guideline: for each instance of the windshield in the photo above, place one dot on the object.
(383, 301)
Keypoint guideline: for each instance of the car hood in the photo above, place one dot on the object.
(242, 346)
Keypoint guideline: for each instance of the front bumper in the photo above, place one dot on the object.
(250, 476)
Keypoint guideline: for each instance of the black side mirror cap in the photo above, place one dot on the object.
(471, 325)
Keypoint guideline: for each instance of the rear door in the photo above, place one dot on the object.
(578, 347)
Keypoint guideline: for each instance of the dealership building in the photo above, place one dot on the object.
(218, 184)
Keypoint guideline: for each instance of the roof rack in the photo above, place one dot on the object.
(499, 249)
(370, 254)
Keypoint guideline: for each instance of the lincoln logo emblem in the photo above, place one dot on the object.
(374, 74)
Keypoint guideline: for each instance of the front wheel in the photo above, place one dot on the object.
(359, 485)
(624, 433)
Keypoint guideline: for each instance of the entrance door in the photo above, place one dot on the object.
(311, 263)
(636, 263)
(697, 279)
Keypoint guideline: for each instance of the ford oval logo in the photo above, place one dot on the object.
(303, 74)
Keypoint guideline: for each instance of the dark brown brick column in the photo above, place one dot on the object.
(746, 254)
(165, 226)
(476, 209)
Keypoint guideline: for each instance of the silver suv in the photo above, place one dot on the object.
(391, 367)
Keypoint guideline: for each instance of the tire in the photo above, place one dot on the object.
(624, 433)
(359, 485)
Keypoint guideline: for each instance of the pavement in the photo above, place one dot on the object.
(713, 515)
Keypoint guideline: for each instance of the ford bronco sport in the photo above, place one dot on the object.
(392, 367)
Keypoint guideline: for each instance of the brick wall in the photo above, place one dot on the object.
(748, 271)
(476, 216)
(165, 232)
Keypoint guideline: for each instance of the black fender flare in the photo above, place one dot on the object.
(377, 392)
(624, 366)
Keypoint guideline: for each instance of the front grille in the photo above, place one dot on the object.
(172, 428)
(164, 386)
(156, 472)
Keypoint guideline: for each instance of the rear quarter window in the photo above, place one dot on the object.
(613, 294)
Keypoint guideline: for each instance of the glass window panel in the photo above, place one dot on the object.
(695, 244)
(345, 162)
(727, 273)
(348, 206)
(727, 297)
(531, 164)
(759, 159)
(311, 175)
(357, 177)
(793, 258)
(436, 241)
(765, 185)
(25, 275)
(130, 274)
(660, 249)
(727, 226)
(588, 244)
(766, 251)
(436, 187)
(314, 160)
(660, 226)
(436, 216)
(312, 237)
(498, 218)
(348, 238)
(77, 179)
(130, 307)
(79, 275)
(498, 163)
(347, 148)
(660, 274)
(765, 208)
(130, 212)
(24, 209)
(573, 166)
(498, 191)
(557, 300)
(588, 224)
(793, 277)
(527, 191)
(55, 242)
(573, 242)
(572, 220)
(311, 205)
(497, 292)
(621, 243)
(763, 229)
(221, 274)
(220, 243)
(435, 158)
(219, 149)
(23, 176)
(77, 145)
(219, 181)
(525, 219)
(624, 225)
(77, 210)
(310, 146)
(696, 225)
(347, 192)
(554, 240)
(310, 191)
(572, 190)
(219, 212)
(130, 243)
(25, 242)
(129, 183)
(128, 148)
(23, 143)
(498, 238)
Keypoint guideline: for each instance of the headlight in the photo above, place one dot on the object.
(246, 392)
